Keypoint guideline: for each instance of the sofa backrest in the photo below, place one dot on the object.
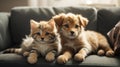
(20, 17)
(5, 39)
(107, 18)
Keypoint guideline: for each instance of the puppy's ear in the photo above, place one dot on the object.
(59, 19)
(83, 21)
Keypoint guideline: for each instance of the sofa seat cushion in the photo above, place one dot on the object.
(92, 60)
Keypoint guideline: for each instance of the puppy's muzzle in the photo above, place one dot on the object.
(72, 33)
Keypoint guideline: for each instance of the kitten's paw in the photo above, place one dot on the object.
(62, 59)
(25, 54)
(32, 59)
(110, 53)
(101, 52)
(50, 57)
(79, 57)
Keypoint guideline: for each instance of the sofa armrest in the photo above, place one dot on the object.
(5, 40)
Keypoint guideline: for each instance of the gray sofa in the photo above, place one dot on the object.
(15, 25)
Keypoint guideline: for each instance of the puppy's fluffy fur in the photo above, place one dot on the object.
(78, 42)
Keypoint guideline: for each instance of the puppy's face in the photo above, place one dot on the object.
(70, 27)
(70, 24)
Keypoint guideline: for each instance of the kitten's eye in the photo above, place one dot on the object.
(76, 26)
(38, 33)
(47, 33)
(66, 25)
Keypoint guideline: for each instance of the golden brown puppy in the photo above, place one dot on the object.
(75, 40)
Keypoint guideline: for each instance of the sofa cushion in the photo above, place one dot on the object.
(20, 20)
(91, 61)
(88, 12)
(107, 18)
(114, 36)
(5, 40)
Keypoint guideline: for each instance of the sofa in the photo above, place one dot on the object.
(15, 25)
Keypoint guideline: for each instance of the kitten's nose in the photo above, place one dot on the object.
(72, 32)
(42, 38)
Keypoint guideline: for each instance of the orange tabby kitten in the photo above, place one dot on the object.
(43, 40)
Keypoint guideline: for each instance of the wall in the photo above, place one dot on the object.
(6, 5)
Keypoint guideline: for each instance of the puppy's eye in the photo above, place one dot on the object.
(47, 33)
(38, 33)
(76, 26)
(66, 25)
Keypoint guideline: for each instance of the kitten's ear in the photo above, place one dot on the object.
(59, 19)
(83, 21)
(53, 24)
(33, 24)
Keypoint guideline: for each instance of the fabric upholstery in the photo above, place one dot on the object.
(114, 36)
(107, 18)
(5, 40)
(92, 61)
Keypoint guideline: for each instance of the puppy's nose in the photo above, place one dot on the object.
(72, 32)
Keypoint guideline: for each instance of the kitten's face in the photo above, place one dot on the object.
(44, 32)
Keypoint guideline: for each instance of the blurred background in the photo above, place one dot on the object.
(6, 5)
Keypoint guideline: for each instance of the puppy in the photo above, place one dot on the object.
(78, 42)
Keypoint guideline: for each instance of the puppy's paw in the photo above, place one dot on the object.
(62, 59)
(79, 57)
(32, 58)
(110, 53)
(50, 57)
(101, 52)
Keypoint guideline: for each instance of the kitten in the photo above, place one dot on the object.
(78, 42)
(43, 40)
